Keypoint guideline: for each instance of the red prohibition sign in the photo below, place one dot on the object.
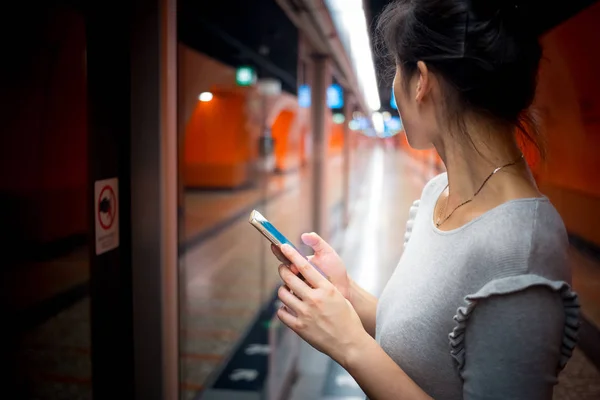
(108, 206)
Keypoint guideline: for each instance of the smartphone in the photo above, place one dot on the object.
(274, 236)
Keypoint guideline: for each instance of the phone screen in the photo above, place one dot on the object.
(257, 218)
(276, 234)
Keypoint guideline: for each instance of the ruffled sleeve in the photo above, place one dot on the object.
(412, 214)
(501, 288)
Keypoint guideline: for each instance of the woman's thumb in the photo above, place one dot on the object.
(316, 242)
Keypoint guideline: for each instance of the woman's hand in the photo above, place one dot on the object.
(317, 311)
(327, 259)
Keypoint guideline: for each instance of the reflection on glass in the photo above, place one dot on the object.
(228, 274)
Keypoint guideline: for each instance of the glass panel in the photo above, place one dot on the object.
(43, 209)
(240, 150)
(227, 269)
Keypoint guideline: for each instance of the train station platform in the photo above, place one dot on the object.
(135, 133)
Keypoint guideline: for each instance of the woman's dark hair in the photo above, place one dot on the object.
(483, 49)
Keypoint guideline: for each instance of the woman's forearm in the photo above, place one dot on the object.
(365, 305)
(378, 375)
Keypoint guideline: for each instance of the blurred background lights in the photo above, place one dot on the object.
(304, 96)
(245, 76)
(378, 122)
(338, 118)
(205, 96)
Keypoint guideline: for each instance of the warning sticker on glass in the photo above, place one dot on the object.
(106, 197)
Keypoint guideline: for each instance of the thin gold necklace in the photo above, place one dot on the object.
(443, 211)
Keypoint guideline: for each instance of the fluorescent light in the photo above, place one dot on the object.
(349, 18)
(205, 96)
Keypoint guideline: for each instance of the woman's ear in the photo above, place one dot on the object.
(423, 83)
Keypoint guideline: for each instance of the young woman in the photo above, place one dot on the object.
(479, 306)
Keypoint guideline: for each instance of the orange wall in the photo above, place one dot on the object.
(336, 138)
(217, 144)
(214, 137)
(281, 135)
(569, 102)
(224, 132)
(219, 139)
(197, 73)
(215, 132)
(289, 125)
(43, 149)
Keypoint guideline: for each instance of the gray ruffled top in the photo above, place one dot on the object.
(484, 311)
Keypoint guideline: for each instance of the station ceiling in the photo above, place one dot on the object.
(259, 33)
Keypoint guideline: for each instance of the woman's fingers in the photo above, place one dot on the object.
(312, 276)
(297, 285)
(290, 300)
(288, 319)
(277, 252)
(294, 269)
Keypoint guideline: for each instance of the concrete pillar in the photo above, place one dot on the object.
(321, 79)
(154, 191)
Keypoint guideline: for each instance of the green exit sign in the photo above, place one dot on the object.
(245, 76)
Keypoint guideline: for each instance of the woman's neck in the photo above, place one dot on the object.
(470, 162)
